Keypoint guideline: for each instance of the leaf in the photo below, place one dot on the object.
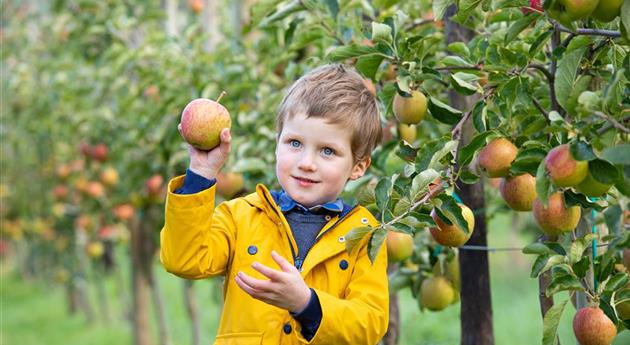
(285, 11)
(539, 42)
(563, 283)
(528, 160)
(439, 8)
(462, 86)
(551, 320)
(448, 148)
(617, 154)
(443, 112)
(566, 75)
(376, 242)
(552, 261)
(538, 248)
(421, 181)
(576, 251)
(381, 32)
(581, 267)
(368, 65)
(456, 61)
(354, 237)
(520, 25)
(538, 265)
(333, 7)
(603, 171)
(612, 216)
(581, 151)
(383, 192)
(452, 211)
(617, 282)
(543, 183)
(467, 152)
(479, 113)
(625, 19)
(427, 151)
(573, 199)
(346, 52)
(459, 48)
(250, 165)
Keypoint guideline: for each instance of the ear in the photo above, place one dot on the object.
(360, 167)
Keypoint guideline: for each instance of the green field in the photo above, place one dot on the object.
(34, 314)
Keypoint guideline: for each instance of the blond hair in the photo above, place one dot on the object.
(340, 95)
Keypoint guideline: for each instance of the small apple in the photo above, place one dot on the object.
(196, 5)
(556, 218)
(534, 6)
(123, 212)
(63, 171)
(607, 10)
(95, 189)
(519, 192)
(153, 185)
(230, 183)
(452, 235)
(410, 110)
(592, 327)
(152, 92)
(95, 249)
(436, 293)
(389, 73)
(399, 246)
(568, 11)
(109, 176)
(60, 192)
(496, 158)
(564, 170)
(407, 132)
(202, 121)
(99, 152)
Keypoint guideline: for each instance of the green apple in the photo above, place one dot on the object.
(568, 11)
(607, 10)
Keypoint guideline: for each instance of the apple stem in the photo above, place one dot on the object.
(221, 96)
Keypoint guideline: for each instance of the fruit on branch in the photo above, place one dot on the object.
(436, 293)
(196, 5)
(452, 235)
(123, 212)
(60, 192)
(519, 191)
(496, 158)
(228, 184)
(556, 218)
(95, 189)
(410, 110)
(99, 152)
(399, 246)
(450, 271)
(95, 249)
(109, 176)
(564, 170)
(592, 327)
(202, 121)
(607, 10)
(534, 6)
(568, 11)
(153, 185)
(407, 132)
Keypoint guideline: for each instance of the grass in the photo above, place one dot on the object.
(34, 314)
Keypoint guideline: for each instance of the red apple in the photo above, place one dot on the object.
(534, 6)
(154, 185)
(99, 152)
(592, 327)
(202, 121)
(123, 212)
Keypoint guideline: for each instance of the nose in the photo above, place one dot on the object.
(307, 162)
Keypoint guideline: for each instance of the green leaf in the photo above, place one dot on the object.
(479, 114)
(453, 60)
(617, 282)
(563, 283)
(368, 65)
(573, 199)
(566, 75)
(333, 7)
(603, 171)
(462, 86)
(543, 183)
(402, 228)
(582, 151)
(443, 112)
(576, 250)
(581, 267)
(448, 148)
(617, 154)
(381, 32)
(421, 181)
(520, 25)
(346, 52)
(459, 48)
(538, 265)
(603, 266)
(551, 320)
(467, 152)
(612, 216)
(376, 242)
(354, 237)
(539, 42)
(383, 192)
(538, 248)
(439, 8)
(285, 11)
(625, 19)
(552, 261)
(528, 160)
(451, 210)
(250, 165)
(427, 151)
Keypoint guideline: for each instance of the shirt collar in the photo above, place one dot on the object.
(286, 203)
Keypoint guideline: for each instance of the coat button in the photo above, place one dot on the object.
(287, 328)
(327, 217)
(343, 264)
(342, 239)
(252, 250)
(364, 220)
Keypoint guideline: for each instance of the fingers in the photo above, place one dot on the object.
(285, 266)
(267, 271)
(226, 139)
(255, 287)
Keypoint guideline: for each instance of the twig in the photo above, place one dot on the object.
(544, 70)
(613, 122)
(588, 32)
(419, 22)
(449, 68)
(457, 130)
(540, 108)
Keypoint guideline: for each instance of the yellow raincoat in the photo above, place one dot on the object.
(199, 241)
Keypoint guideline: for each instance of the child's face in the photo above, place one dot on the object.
(314, 160)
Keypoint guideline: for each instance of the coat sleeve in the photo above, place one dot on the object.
(197, 239)
(362, 316)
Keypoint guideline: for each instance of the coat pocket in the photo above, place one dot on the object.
(245, 338)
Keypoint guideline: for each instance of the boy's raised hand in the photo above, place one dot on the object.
(208, 163)
(285, 289)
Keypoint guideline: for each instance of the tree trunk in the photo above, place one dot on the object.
(476, 302)
(191, 309)
(140, 282)
(72, 297)
(393, 329)
(158, 302)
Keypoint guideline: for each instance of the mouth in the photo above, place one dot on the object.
(304, 179)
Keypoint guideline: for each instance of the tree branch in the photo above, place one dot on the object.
(544, 70)
(540, 108)
(450, 68)
(419, 22)
(589, 32)
(613, 123)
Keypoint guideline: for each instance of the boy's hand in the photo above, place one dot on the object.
(208, 163)
(285, 289)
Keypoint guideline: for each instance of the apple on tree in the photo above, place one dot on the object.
(496, 158)
(399, 246)
(412, 109)
(568, 11)
(556, 218)
(607, 10)
(452, 235)
(436, 293)
(563, 168)
(519, 192)
(592, 327)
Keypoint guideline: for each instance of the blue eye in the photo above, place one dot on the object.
(328, 151)
(294, 143)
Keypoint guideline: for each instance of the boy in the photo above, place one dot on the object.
(289, 278)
